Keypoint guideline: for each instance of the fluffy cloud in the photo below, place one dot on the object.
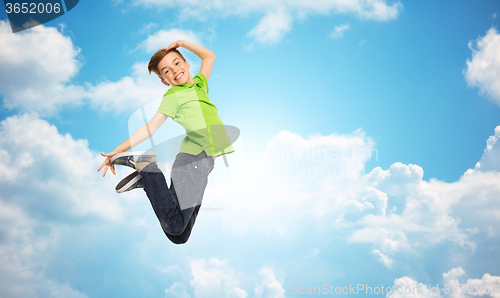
(136, 90)
(473, 200)
(339, 31)
(158, 40)
(270, 286)
(490, 161)
(279, 15)
(383, 258)
(129, 93)
(295, 186)
(48, 181)
(488, 285)
(407, 287)
(51, 175)
(272, 27)
(418, 214)
(300, 181)
(214, 279)
(483, 70)
(37, 66)
(22, 254)
(454, 285)
(320, 181)
(422, 214)
(177, 290)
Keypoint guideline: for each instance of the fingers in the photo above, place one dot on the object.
(172, 45)
(107, 163)
(102, 165)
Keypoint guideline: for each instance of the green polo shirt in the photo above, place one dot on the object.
(190, 106)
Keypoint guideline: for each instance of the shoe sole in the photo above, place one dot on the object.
(134, 153)
(127, 182)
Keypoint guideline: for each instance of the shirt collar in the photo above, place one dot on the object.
(185, 86)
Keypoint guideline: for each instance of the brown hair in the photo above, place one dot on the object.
(155, 60)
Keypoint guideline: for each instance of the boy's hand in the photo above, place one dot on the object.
(108, 163)
(164, 82)
(175, 44)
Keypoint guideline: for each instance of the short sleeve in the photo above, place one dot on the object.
(169, 105)
(200, 79)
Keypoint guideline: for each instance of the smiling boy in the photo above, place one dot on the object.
(187, 103)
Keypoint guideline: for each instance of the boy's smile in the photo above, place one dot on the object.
(174, 70)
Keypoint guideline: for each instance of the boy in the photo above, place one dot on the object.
(186, 103)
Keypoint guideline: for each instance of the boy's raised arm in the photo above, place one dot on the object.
(207, 56)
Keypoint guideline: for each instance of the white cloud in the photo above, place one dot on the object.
(490, 161)
(378, 10)
(52, 175)
(271, 28)
(420, 218)
(320, 181)
(383, 258)
(453, 285)
(407, 287)
(428, 213)
(488, 285)
(317, 183)
(214, 279)
(23, 253)
(134, 91)
(422, 214)
(177, 290)
(278, 15)
(130, 92)
(483, 71)
(300, 181)
(490, 231)
(163, 38)
(37, 66)
(270, 286)
(148, 28)
(472, 201)
(339, 30)
(50, 190)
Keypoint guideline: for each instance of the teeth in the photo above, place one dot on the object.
(179, 76)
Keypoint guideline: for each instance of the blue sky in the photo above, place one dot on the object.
(415, 83)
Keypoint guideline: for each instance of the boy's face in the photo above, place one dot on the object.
(174, 70)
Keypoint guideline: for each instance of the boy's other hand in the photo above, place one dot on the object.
(175, 44)
(108, 163)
